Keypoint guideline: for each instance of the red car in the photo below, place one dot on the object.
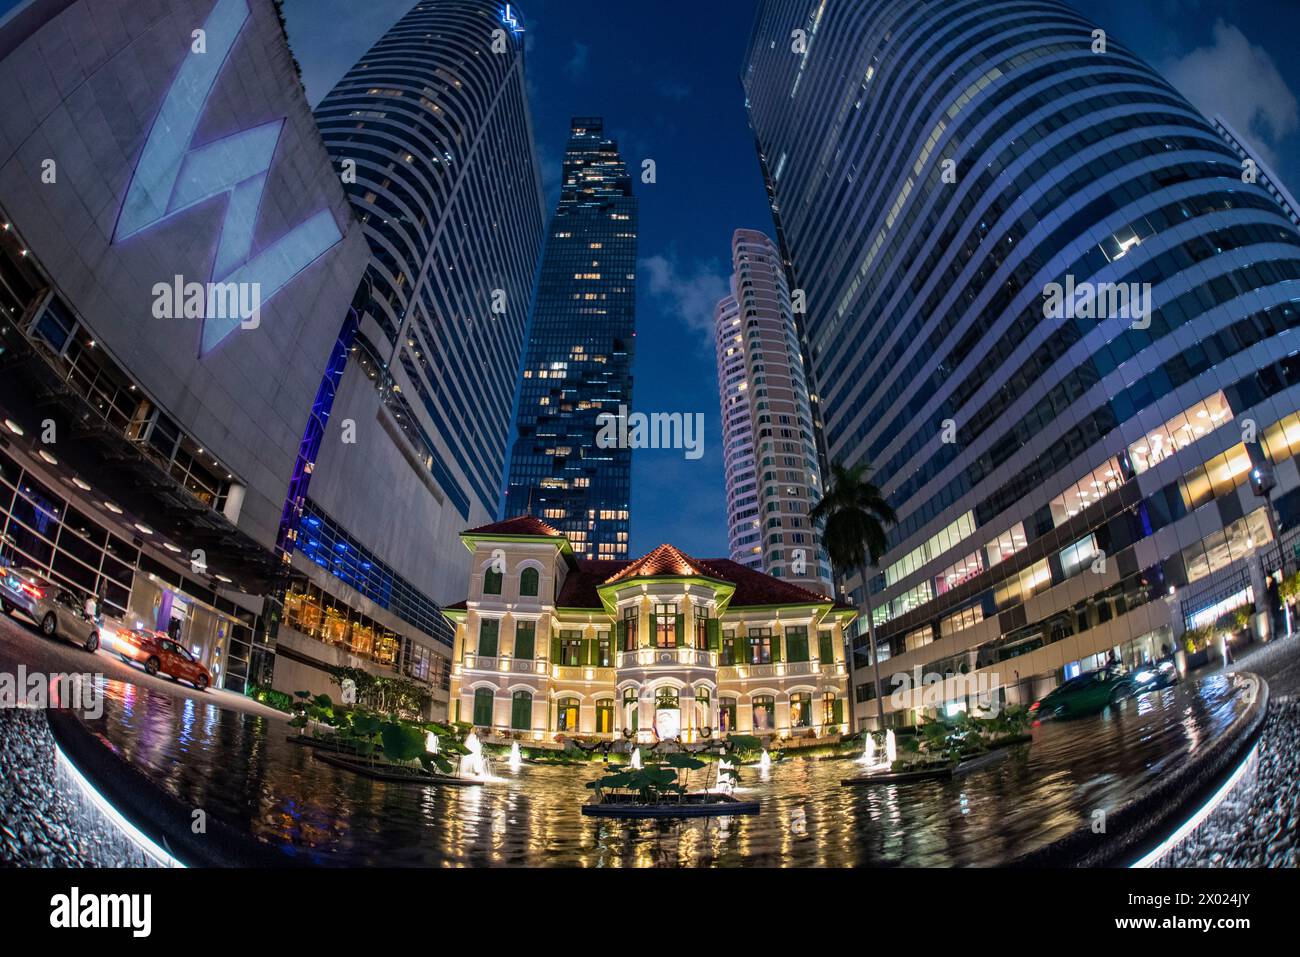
(159, 653)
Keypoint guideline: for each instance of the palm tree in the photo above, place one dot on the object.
(856, 513)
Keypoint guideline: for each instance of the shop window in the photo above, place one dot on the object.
(764, 708)
(334, 630)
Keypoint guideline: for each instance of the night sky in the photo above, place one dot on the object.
(666, 78)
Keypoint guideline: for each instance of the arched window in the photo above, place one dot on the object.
(566, 715)
(605, 716)
(764, 713)
(521, 711)
(483, 707)
(726, 715)
(528, 582)
(832, 710)
(631, 709)
(801, 710)
(703, 711)
(492, 582)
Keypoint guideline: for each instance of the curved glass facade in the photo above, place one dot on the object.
(979, 163)
(435, 119)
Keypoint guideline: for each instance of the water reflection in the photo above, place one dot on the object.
(240, 768)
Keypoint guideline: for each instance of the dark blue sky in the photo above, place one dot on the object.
(666, 77)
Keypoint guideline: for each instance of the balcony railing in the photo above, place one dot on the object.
(582, 673)
(505, 665)
(780, 669)
(668, 658)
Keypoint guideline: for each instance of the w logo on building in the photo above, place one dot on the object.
(174, 175)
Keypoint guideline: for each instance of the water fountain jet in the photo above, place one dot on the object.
(474, 764)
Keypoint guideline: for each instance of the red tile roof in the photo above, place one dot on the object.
(752, 587)
(586, 576)
(579, 589)
(520, 525)
(666, 561)
(756, 588)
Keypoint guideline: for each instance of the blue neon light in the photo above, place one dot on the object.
(172, 176)
(510, 17)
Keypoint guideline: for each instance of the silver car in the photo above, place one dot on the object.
(58, 612)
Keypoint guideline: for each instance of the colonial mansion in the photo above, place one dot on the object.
(663, 647)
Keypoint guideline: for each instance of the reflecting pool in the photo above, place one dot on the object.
(241, 769)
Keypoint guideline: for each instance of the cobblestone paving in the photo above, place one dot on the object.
(1257, 825)
(40, 812)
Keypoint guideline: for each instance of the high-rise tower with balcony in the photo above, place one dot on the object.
(431, 135)
(578, 365)
(1044, 305)
(772, 474)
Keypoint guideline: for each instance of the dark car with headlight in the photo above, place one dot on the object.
(1094, 691)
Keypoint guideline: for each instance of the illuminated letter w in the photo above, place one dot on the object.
(173, 175)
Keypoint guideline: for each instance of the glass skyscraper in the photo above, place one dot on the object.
(976, 196)
(436, 123)
(578, 364)
(431, 135)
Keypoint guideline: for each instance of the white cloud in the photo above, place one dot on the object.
(1238, 81)
(690, 293)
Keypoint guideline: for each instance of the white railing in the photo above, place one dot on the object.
(668, 658)
(505, 665)
(780, 669)
(582, 673)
